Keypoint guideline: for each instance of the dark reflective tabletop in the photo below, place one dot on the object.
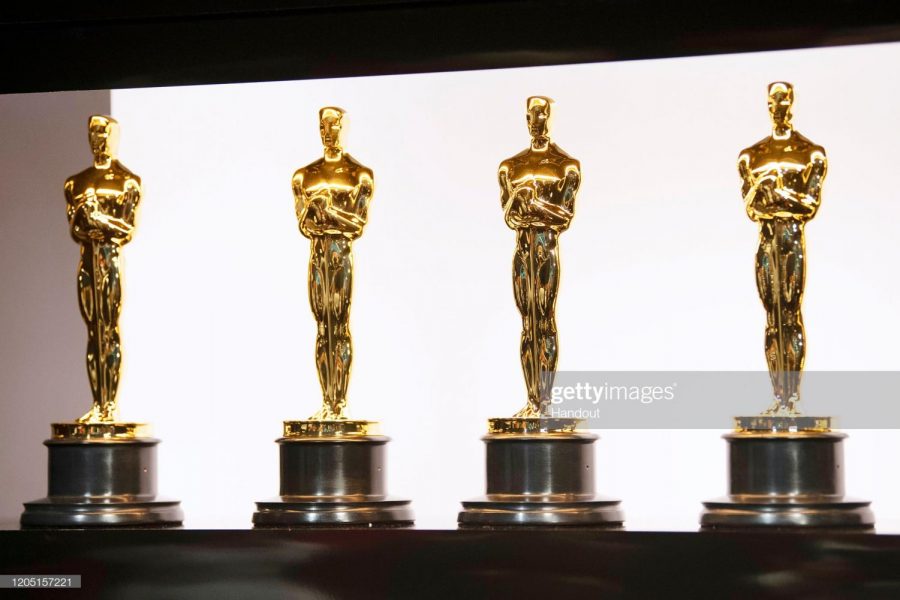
(456, 564)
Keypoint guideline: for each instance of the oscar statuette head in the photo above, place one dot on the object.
(538, 117)
(781, 100)
(103, 135)
(331, 124)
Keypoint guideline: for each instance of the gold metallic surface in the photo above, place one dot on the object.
(330, 429)
(101, 204)
(332, 197)
(782, 179)
(797, 433)
(531, 425)
(99, 431)
(537, 194)
(782, 424)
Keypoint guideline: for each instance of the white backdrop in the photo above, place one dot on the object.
(658, 265)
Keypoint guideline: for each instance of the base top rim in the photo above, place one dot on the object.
(794, 423)
(337, 428)
(108, 431)
(531, 425)
(783, 435)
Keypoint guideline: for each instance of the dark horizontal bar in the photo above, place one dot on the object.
(49, 12)
(282, 40)
(461, 564)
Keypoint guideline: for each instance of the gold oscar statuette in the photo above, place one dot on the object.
(332, 197)
(102, 471)
(332, 467)
(782, 179)
(537, 193)
(785, 469)
(539, 468)
(101, 204)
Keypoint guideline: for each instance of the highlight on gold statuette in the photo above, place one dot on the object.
(539, 468)
(102, 472)
(785, 469)
(333, 468)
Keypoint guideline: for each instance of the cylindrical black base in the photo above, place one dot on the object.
(333, 482)
(541, 480)
(102, 483)
(786, 480)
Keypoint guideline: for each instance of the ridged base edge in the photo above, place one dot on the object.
(287, 512)
(487, 512)
(843, 514)
(79, 513)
